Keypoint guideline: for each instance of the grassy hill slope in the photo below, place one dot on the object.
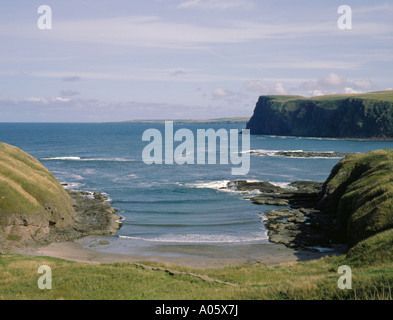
(31, 199)
(359, 191)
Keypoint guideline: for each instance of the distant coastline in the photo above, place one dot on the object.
(181, 121)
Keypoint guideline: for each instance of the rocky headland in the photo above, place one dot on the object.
(94, 216)
(360, 116)
(36, 209)
(354, 206)
(299, 224)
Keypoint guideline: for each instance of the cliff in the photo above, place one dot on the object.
(367, 115)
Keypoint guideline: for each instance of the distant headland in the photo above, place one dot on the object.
(363, 116)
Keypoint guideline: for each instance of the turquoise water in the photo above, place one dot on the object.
(171, 204)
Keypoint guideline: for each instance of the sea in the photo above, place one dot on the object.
(173, 204)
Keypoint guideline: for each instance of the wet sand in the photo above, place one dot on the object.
(194, 256)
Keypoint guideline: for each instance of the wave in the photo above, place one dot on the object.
(284, 185)
(182, 225)
(299, 154)
(202, 238)
(86, 159)
(225, 186)
(216, 185)
(71, 185)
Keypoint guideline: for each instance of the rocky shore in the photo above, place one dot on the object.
(94, 216)
(301, 224)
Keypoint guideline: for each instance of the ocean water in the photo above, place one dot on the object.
(171, 204)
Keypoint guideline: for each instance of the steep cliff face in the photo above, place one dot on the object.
(342, 116)
(32, 201)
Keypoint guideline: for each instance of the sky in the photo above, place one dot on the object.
(125, 60)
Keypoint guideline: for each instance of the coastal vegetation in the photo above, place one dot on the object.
(357, 193)
(368, 115)
(35, 207)
(304, 280)
(31, 199)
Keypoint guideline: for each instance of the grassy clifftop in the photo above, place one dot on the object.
(31, 199)
(368, 115)
(360, 191)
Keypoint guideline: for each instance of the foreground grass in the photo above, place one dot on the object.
(71, 280)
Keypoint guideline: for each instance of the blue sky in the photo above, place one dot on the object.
(180, 59)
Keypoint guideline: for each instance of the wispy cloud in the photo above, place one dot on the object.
(386, 8)
(57, 109)
(304, 64)
(153, 31)
(215, 4)
(69, 93)
(70, 78)
(171, 75)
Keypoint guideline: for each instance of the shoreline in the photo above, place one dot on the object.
(97, 221)
(265, 254)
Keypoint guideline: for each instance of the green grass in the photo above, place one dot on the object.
(362, 186)
(315, 280)
(26, 186)
(30, 197)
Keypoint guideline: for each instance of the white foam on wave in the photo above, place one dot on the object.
(216, 185)
(269, 152)
(202, 238)
(284, 185)
(71, 185)
(274, 153)
(62, 158)
(222, 185)
(87, 159)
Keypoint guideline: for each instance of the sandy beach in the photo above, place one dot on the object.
(194, 256)
(92, 240)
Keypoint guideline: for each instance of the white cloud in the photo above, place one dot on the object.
(261, 88)
(350, 91)
(62, 99)
(220, 93)
(334, 83)
(230, 97)
(331, 81)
